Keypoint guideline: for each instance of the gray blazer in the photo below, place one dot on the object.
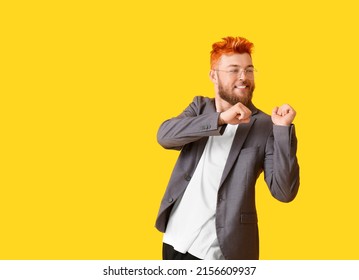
(257, 146)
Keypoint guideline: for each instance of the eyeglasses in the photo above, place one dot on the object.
(248, 72)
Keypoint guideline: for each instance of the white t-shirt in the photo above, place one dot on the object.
(191, 227)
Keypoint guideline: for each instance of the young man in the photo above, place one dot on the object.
(208, 210)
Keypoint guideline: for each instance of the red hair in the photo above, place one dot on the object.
(230, 45)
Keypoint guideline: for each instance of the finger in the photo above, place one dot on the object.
(246, 114)
(283, 110)
(240, 113)
(275, 111)
(286, 108)
(240, 117)
(247, 120)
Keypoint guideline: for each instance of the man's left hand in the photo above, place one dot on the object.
(283, 115)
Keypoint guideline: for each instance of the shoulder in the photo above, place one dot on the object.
(263, 120)
(203, 100)
(263, 116)
(204, 104)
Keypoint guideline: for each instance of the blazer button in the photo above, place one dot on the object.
(170, 200)
(206, 127)
(187, 177)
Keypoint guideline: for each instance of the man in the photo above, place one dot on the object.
(208, 210)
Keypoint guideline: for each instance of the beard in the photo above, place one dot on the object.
(232, 98)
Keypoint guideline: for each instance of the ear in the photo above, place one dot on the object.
(213, 76)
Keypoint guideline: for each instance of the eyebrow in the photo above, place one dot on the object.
(237, 66)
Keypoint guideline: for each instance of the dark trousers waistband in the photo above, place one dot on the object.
(169, 253)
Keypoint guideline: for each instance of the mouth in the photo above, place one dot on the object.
(241, 87)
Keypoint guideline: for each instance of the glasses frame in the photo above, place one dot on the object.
(248, 72)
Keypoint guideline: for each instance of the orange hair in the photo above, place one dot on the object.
(230, 45)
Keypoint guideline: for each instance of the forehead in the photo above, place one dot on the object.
(237, 59)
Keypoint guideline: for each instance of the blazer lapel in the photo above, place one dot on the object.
(239, 138)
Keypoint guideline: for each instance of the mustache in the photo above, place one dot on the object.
(243, 83)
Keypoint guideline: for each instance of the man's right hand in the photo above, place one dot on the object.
(235, 115)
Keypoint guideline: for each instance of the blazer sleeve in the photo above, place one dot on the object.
(281, 169)
(198, 120)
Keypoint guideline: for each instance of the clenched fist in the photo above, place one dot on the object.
(283, 115)
(237, 114)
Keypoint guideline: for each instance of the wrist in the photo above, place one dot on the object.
(220, 120)
(281, 124)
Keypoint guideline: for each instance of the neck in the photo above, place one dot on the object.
(221, 105)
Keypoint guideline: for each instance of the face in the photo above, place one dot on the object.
(234, 79)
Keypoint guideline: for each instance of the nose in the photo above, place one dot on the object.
(242, 74)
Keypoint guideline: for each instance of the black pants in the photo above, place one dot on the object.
(169, 253)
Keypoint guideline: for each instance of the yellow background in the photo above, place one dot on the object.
(85, 85)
